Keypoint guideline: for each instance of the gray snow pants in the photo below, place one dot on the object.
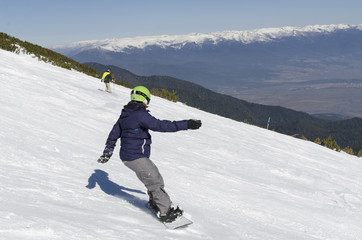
(149, 175)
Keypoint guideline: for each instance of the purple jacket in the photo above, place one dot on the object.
(132, 127)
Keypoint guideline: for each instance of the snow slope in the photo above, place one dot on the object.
(235, 181)
(178, 41)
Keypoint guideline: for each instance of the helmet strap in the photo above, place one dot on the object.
(142, 94)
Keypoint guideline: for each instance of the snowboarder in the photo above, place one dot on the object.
(106, 78)
(132, 127)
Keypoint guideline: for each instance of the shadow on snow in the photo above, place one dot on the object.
(111, 188)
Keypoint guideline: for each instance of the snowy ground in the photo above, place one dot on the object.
(235, 181)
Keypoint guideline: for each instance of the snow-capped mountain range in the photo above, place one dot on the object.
(260, 66)
(178, 41)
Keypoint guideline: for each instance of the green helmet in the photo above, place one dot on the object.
(140, 94)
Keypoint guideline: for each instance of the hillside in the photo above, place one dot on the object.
(345, 132)
(234, 180)
(314, 69)
(16, 45)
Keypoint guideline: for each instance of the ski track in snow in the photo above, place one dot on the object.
(234, 180)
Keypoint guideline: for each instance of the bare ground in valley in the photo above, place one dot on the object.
(338, 99)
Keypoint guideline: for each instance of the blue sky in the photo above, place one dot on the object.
(52, 22)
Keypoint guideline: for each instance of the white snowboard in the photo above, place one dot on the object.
(179, 222)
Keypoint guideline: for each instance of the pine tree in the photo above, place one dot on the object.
(335, 146)
(359, 154)
(348, 150)
(330, 143)
(327, 142)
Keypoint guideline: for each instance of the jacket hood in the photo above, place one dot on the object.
(131, 107)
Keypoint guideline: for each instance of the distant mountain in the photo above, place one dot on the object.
(308, 69)
(177, 42)
(345, 132)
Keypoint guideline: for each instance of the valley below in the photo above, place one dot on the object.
(342, 98)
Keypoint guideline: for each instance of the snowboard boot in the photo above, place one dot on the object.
(171, 215)
(153, 207)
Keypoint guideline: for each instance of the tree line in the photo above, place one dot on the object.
(332, 144)
(13, 44)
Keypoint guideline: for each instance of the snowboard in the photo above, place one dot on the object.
(179, 222)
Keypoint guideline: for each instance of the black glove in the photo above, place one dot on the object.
(104, 158)
(193, 124)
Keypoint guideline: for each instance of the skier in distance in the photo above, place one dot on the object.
(132, 127)
(107, 78)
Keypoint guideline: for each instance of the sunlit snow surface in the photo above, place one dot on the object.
(234, 181)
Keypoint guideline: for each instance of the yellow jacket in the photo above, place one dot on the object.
(106, 77)
(105, 74)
